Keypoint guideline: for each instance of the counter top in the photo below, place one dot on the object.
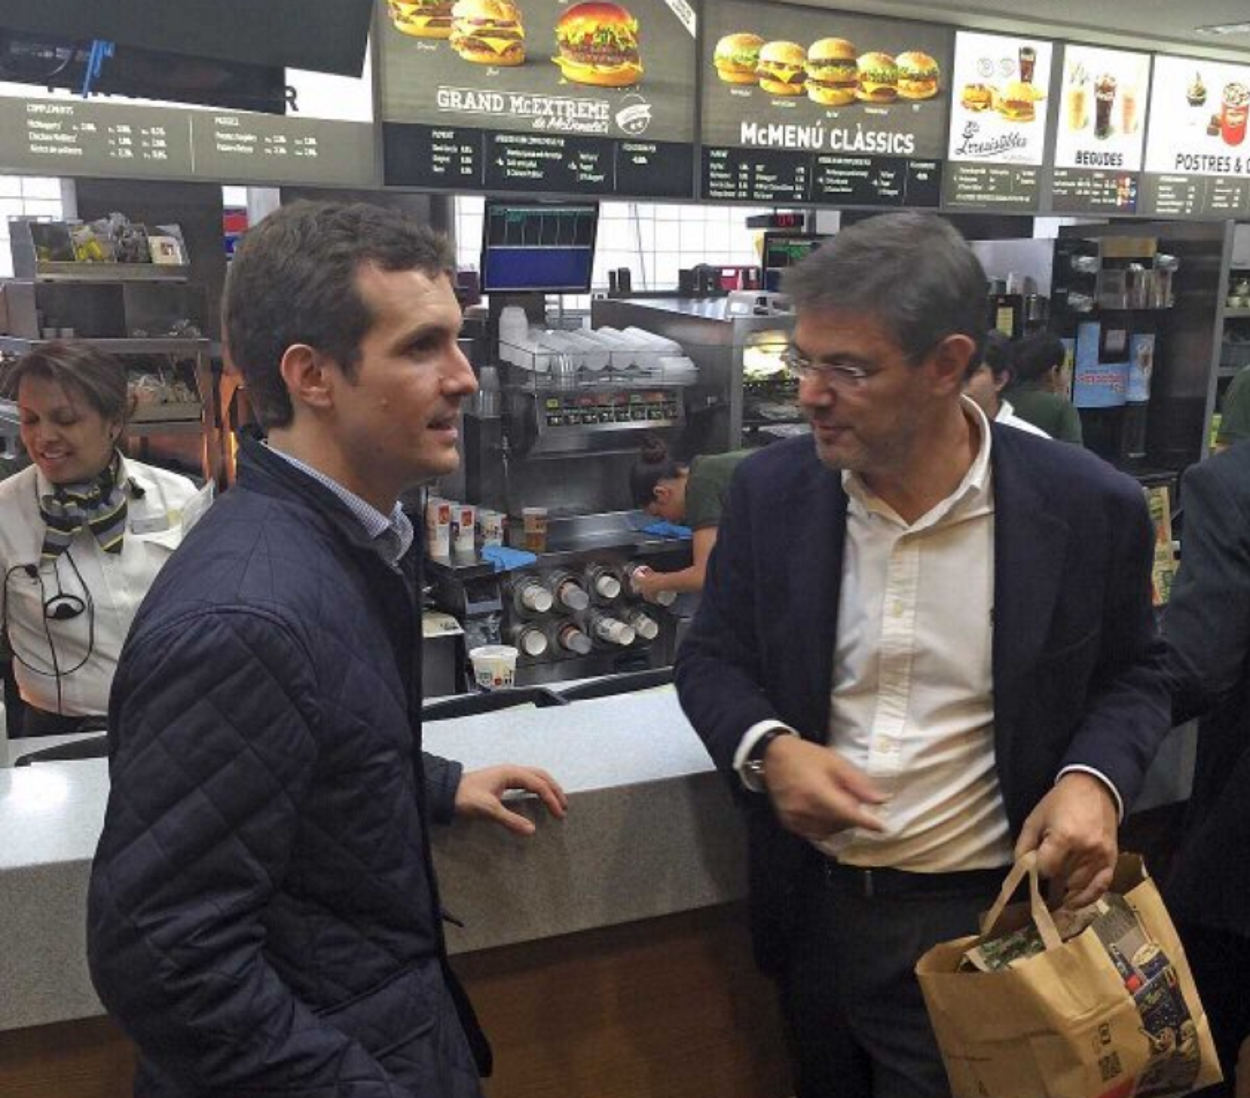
(651, 831)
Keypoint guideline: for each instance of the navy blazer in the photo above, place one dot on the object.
(1077, 662)
(1207, 626)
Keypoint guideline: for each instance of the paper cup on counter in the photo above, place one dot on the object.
(465, 515)
(491, 524)
(438, 527)
(494, 666)
(534, 528)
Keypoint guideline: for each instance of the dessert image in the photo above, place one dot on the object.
(878, 78)
(597, 43)
(1196, 93)
(488, 32)
(917, 75)
(782, 68)
(736, 58)
(832, 74)
(421, 18)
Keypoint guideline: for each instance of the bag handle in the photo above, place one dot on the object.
(1026, 865)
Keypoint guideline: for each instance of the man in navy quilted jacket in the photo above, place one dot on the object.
(263, 914)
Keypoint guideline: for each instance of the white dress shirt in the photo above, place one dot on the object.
(912, 701)
(81, 652)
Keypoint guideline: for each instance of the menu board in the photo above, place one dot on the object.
(1197, 158)
(999, 99)
(809, 105)
(540, 95)
(1100, 131)
(325, 137)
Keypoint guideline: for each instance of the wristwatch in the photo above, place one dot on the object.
(754, 763)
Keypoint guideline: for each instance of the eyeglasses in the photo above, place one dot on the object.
(836, 375)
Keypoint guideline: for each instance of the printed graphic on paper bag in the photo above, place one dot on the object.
(1149, 976)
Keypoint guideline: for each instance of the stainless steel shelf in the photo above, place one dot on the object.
(18, 345)
(1237, 314)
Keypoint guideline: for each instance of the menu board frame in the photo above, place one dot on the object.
(120, 138)
(1099, 123)
(1204, 173)
(848, 154)
(625, 126)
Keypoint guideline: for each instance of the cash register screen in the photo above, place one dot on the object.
(538, 247)
(782, 250)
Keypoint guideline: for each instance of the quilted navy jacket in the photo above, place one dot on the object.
(263, 916)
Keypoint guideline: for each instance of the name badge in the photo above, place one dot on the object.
(153, 524)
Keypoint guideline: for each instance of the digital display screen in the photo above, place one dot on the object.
(540, 96)
(808, 105)
(538, 247)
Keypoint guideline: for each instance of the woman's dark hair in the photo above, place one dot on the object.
(294, 280)
(79, 369)
(1033, 357)
(654, 465)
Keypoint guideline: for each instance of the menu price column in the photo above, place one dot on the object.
(756, 175)
(877, 181)
(1076, 190)
(433, 156)
(1174, 195)
(991, 186)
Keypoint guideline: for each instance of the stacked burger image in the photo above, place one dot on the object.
(596, 41)
(830, 70)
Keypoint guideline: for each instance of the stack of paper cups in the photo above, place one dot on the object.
(466, 527)
(438, 527)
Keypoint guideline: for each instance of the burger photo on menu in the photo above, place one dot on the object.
(598, 43)
(737, 56)
(878, 78)
(782, 68)
(917, 75)
(832, 72)
(421, 18)
(488, 32)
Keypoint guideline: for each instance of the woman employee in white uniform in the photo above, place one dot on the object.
(83, 532)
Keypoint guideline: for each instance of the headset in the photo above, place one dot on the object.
(61, 606)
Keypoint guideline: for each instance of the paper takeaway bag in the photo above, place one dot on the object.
(1085, 1018)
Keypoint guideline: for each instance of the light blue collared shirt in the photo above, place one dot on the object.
(391, 535)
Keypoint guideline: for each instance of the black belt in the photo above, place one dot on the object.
(883, 881)
(39, 722)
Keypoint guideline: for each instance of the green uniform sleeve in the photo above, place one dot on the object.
(708, 488)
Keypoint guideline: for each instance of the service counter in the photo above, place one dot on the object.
(607, 955)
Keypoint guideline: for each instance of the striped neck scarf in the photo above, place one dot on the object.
(98, 504)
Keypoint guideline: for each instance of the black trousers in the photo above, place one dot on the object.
(1220, 961)
(855, 1016)
(39, 722)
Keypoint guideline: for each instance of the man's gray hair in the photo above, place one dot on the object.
(913, 272)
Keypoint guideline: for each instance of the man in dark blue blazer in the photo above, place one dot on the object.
(1207, 626)
(925, 647)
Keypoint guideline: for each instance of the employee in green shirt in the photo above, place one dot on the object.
(1036, 392)
(1235, 411)
(684, 493)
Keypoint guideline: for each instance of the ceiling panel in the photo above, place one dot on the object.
(1163, 25)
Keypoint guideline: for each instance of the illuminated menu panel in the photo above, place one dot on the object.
(326, 136)
(807, 105)
(592, 98)
(999, 103)
(1099, 131)
(1197, 157)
